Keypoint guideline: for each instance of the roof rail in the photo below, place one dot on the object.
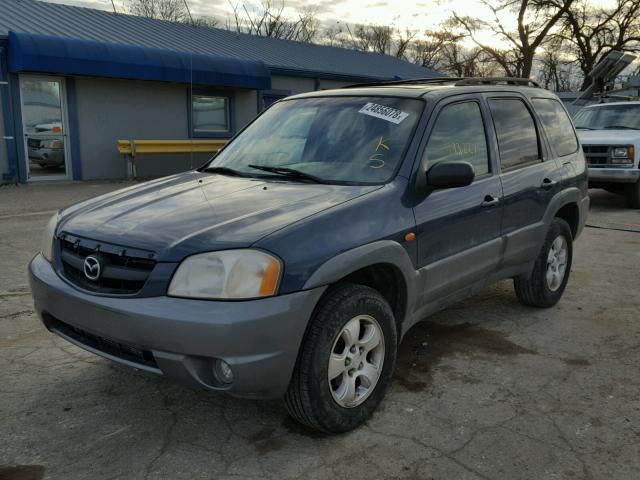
(457, 81)
(527, 82)
(408, 81)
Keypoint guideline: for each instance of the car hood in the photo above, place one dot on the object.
(608, 137)
(195, 212)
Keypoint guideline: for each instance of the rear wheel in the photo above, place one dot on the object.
(633, 195)
(345, 362)
(546, 284)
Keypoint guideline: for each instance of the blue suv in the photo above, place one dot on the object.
(294, 262)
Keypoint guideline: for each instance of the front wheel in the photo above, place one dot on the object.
(546, 284)
(345, 362)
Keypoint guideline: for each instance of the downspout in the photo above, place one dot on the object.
(8, 134)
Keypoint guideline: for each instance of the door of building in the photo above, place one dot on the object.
(44, 124)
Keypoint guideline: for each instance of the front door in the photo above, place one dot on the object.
(458, 229)
(44, 126)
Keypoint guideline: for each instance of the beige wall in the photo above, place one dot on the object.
(109, 110)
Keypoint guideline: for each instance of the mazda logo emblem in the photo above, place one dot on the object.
(92, 268)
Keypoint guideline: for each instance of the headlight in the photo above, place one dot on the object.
(229, 274)
(46, 247)
(620, 152)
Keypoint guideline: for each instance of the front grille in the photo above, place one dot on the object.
(104, 345)
(596, 155)
(123, 271)
(599, 156)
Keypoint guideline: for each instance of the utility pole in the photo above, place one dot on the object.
(188, 11)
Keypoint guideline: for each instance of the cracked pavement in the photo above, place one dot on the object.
(487, 389)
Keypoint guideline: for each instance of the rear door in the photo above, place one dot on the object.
(529, 174)
(459, 228)
(561, 136)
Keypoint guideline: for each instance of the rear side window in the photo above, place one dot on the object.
(557, 125)
(516, 131)
(458, 135)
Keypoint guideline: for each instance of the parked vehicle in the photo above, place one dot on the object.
(293, 263)
(45, 144)
(610, 137)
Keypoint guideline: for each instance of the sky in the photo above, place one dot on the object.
(414, 14)
(417, 15)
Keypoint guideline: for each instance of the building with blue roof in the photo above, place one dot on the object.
(75, 80)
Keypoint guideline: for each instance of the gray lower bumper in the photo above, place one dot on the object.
(616, 175)
(259, 339)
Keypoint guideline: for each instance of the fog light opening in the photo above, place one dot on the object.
(223, 372)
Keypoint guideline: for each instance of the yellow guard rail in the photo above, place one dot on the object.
(130, 149)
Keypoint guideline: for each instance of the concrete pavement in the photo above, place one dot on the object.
(488, 389)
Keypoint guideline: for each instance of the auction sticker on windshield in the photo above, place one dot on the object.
(386, 113)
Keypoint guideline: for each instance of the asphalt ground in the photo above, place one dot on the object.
(488, 389)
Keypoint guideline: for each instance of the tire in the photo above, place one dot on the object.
(633, 195)
(536, 290)
(312, 398)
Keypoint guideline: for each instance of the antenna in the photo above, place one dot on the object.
(114, 7)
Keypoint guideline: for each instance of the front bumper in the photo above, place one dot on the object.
(614, 175)
(259, 339)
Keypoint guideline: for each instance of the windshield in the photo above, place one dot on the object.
(328, 139)
(609, 117)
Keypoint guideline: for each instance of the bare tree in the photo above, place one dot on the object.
(535, 19)
(557, 66)
(595, 31)
(269, 20)
(404, 40)
(210, 22)
(172, 10)
(431, 50)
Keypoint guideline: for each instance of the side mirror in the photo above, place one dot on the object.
(450, 175)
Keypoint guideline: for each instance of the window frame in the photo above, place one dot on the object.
(573, 129)
(450, 101)
(210, 92)
(541, 138)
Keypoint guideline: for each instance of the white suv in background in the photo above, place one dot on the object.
(610, 137)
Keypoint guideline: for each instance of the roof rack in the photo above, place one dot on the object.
(408, 81)
(457, 81)
(526, 82)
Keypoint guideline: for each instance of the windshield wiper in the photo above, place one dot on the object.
(225, 171)
(288, 172)
(624, 127)
(584, 128)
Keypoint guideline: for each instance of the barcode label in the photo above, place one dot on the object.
(389, 114)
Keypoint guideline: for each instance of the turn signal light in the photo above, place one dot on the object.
(269, 283)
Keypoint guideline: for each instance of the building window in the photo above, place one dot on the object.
(211, 115)
(267, 98)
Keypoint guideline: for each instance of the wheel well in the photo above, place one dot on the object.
(389, 282)
(570, 214)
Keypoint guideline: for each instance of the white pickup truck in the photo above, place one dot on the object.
(610, 137)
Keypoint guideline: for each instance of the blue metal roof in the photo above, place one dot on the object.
(42, 53)
(280, 56)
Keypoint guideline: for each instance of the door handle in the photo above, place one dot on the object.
(490, 201)
(547, 184)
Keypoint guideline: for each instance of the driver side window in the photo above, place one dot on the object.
(459, 135)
